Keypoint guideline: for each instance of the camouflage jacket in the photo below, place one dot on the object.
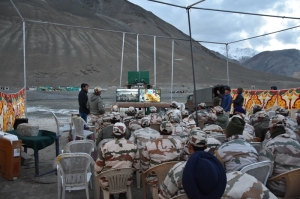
(248, 133)
(237, 153)
(284, 152)
(163, 149)
(180, 132)
(243, 186)
(172, 185)
(118, 153)
(202, 115)
(155, 118)
(167, 115)
(212, 129)
(141, 136)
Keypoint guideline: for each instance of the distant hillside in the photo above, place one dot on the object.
(237, 55)
(281, 62)
(58, 55)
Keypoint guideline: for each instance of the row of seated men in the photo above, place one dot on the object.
(178, 139)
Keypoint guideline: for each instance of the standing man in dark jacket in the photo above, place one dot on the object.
(82, 100)
(239, 100)
(227, 100)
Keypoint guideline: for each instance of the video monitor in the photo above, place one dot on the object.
(149, 95)
(127, 95)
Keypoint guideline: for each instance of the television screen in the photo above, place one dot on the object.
(127, 95)
(150, 95)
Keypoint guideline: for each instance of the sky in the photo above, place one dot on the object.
(228, 27)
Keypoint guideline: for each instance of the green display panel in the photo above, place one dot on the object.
(137, 77)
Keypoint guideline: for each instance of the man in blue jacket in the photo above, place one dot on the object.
(227, 100)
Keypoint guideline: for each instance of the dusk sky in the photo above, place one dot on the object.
(228, 27)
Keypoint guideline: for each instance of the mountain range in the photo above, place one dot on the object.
(77, 47)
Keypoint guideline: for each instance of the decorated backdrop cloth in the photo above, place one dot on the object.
(286, 98)
(11, 106)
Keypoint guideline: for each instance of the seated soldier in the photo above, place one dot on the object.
(297, 127)
(135, 123)
(173, 106)
(262, 125)
(141, 136)
(201, 113)
(248, 131)
(116, 154)
(164, 148)
(179, 131)
(114, 108)
(130, 114)
(222, 118)
(154, 117)
(172, 185)
(290, 123)
(236, 153)
(106, 134)
(253, 117)
(211, 127)
(243, 186)
(187, 120)
(282, 151)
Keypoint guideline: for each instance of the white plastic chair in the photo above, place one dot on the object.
(72, 172)
(221, 138)
(117, 182)
(259, 170)
(80, 146)
(63, 125)
(79, 131)
(256, 145)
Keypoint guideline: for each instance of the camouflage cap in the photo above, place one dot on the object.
(262, 114)
(218, 109)
(277, 120)
(145, 122)
(166, 127)
(114, 108)
(152, 109)
(119, 128)
(97, 89)
(174, 104)
(115, 116)
(198, 138)
(282, 111)
(256, 108)
(212, 117)
(131, 110)
(203, 105)
(140, 114)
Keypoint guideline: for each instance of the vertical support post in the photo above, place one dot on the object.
(122, 57)
(172, 70)
(24, 57)
(137, 53)
(192, 56)
(154, 61)
(227, 65)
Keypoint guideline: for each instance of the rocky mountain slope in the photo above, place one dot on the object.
(238, 55)
(281, 62)
(59, 55)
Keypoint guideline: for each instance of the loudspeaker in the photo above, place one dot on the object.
(20, 121)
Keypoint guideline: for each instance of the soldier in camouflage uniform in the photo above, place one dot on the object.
(297, 127)
(262, 125)
(116, 154)
(236, 153)
(243, 186)
(202, 114)
(187, 121)
(290, 123)
(282, 151)
(155, 118)
(222, 118)
(135, 123)
(181, 132)
(172, 185)
(248, 131)
(130, 114)
(173, 106)
(253, 117)
(144, 135)
(211, 127)
(164, 148)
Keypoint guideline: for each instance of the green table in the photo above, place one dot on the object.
(44, 139)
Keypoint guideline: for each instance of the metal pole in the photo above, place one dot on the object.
(191, 45)
(24, 56)
(227, 65)
(137, 53)
(154, 61)
(172, 70)
(122, 59)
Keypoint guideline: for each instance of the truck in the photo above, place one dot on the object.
(205, 95)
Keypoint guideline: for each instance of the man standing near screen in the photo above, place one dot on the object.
(82, 100)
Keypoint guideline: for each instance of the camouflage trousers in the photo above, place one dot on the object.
(96, 120)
